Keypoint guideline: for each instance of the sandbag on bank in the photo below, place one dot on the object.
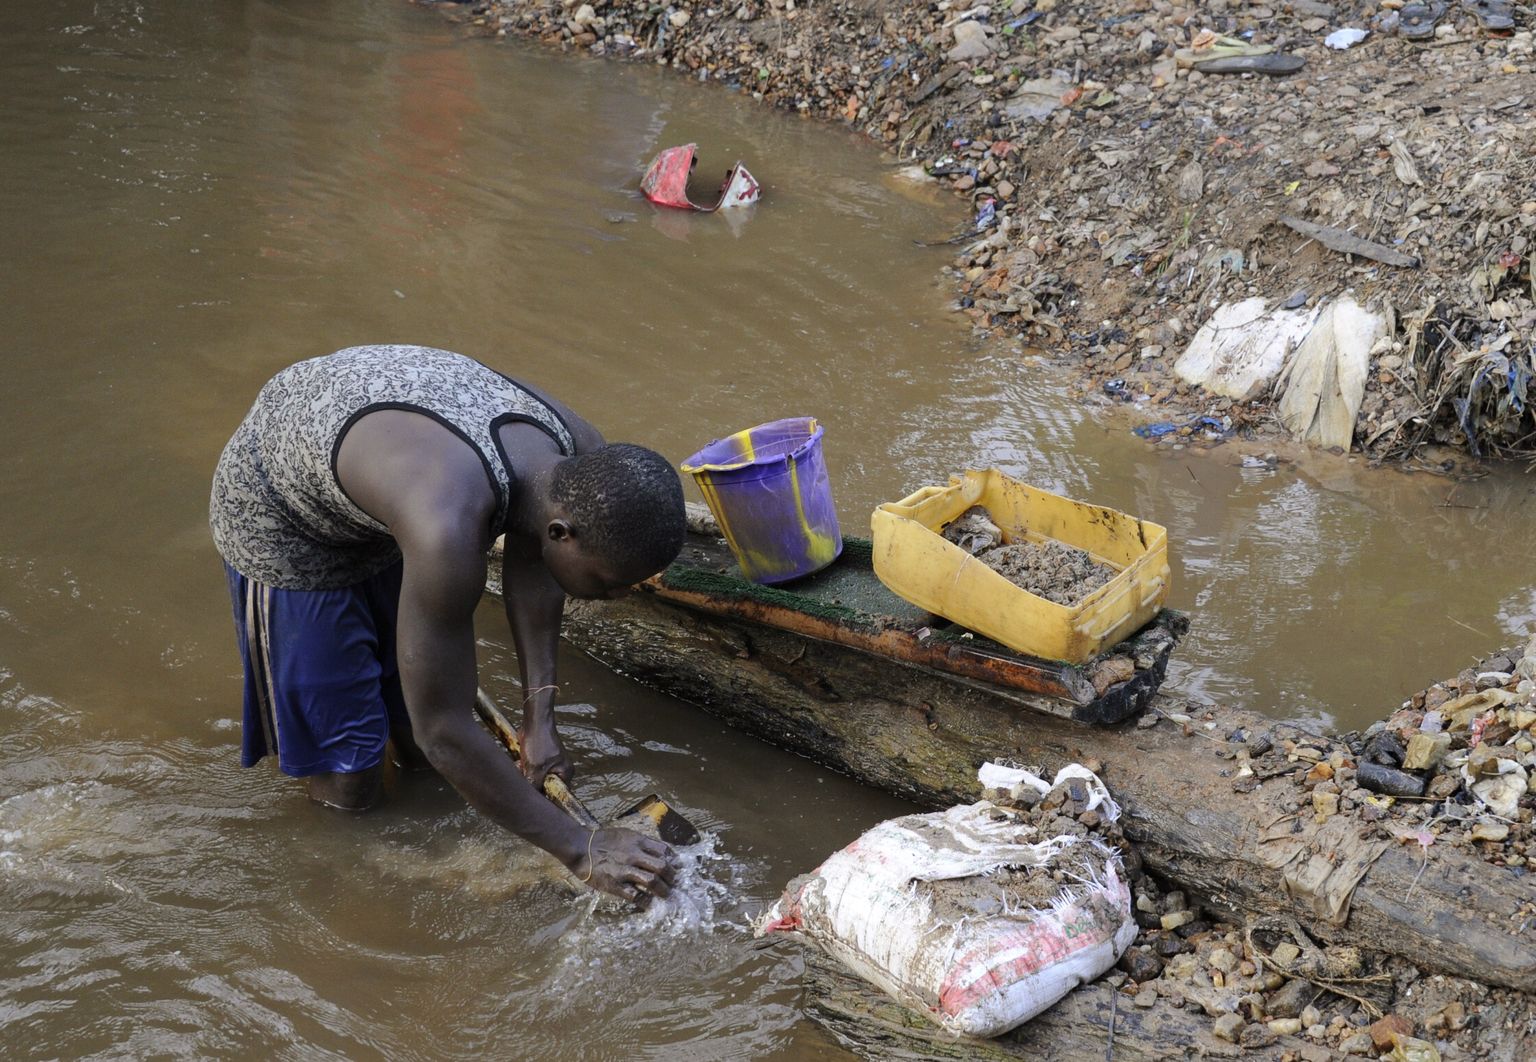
(979, 917)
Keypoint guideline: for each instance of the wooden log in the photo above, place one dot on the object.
(875, 1026)
(922, 736)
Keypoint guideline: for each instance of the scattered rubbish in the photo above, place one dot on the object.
(1275, 64)
(974, 531)
(1499, 786)
(948, 165)
(1471, 744)
(1341, 39)
(914, 174)
(1474, 379)
(1324, 381)
(936, 82)
(1348, 243)
(1168, 427)
(1416, 21)
(1402, 163)
(1495, 15)
(1228, 258)
(666, 182)
(1241, 348)
(1038, 98)
(1321, 858)
(1109, 176)
(1213, 53)
(1379, 779)
(979, 917)
(986, 214)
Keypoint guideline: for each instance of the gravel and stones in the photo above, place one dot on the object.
(1049, 569)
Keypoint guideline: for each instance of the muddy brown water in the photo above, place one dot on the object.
(194, 195)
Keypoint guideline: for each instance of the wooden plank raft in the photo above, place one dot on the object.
(846, 604)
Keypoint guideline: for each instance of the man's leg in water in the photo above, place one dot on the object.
(354, 791)
(314, 692)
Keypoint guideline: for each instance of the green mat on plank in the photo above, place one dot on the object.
(846, 591)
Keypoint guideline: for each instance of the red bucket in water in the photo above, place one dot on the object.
(770, 493)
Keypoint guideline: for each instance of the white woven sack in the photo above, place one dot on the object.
(868, 907)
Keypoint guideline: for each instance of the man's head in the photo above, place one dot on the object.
(616, 518)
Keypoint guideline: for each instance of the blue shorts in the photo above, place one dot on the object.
(321, 687)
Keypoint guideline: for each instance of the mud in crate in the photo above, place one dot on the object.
(915, 560)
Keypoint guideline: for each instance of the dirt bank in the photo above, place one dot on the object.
(1121, 198)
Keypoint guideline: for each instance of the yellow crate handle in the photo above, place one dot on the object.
(907, 505)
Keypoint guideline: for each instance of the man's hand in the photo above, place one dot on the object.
(544, 755)
(627, 865)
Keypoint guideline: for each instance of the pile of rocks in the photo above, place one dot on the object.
(1272, 987)
(1121, 196)
(1468, 747)
(1453, 774)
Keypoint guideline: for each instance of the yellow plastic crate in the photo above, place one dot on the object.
(916, 562)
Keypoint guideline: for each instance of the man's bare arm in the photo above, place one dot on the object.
(444, 579)
(535, 604)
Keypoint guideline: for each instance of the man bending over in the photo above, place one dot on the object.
(355, 507)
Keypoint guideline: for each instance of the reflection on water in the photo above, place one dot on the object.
(195, 195)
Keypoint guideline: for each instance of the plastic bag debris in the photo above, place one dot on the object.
(666, 182)
(1213, 53)
(1012, 780)
(957, 915)
(1168, 427)
(1348, 37)
(986, 214)
(1500, 791)
(1038, 98)
(974, 531)
(1325, 378)
(1241, 348)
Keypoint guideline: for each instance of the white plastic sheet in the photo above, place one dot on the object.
(1325, 378)
(1241, 348)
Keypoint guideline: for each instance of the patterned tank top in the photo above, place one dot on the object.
(278, 513)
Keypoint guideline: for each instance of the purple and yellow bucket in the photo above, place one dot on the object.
(770, 493)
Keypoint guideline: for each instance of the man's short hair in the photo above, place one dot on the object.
(626, 503)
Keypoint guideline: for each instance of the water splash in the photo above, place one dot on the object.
(608, 936)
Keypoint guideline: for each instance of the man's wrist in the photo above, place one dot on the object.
(539, 705)
(576, 849)
(539, 716)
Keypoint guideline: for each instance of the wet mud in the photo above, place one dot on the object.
(1049, 569)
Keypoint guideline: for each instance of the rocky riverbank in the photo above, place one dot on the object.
(1451, 768)
(1123, 192)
